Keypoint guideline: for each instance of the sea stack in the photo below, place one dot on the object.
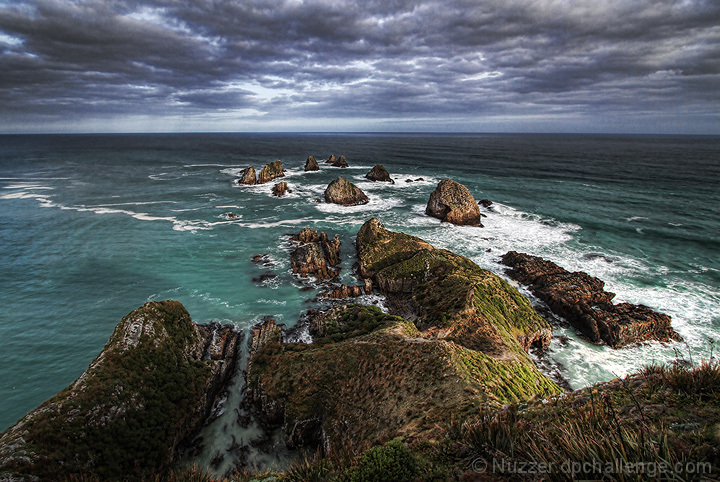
(452, 202)
(340, 162)
(280, 189)
(271, 171)
(342, 191)
(379, 173)
(247, 176)
(331, 159)
(311, 164)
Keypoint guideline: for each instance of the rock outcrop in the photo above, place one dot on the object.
(271, 171)
(379, 173)
(452, 202)
(486, 203)
(345, 291)
(311, 164)
(147, 394)
(342, 191)
(582, 300)
(247, 176)
(315, 254)
(280, 189)
(340, 162)
(447, 295)
(331, 159)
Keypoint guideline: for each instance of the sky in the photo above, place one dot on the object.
(627, 66)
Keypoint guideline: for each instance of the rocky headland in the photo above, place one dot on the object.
(582, 300)
(341, 191)
(451, 202)
(137, 405)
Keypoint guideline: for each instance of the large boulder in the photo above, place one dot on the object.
(247, 176)
(452, 202)
(342, 191)
(379, 173)
(136, 407)
(340, 162)
(311, 164)
(271, 171)
(582, 300)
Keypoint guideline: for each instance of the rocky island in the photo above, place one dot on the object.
(451, 202)
(342, 191)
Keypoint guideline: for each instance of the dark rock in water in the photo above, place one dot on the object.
(342, 191)
(311, 164)
(408, 180)
(271, 171)
(136, 406)
(315, 254)
(452, 202)
(247, 176)
(486, 203)
(419, 179)
(345, 291)
(331, 159)
(582, 300)
(264, 278)
(379, 173)
(340, 162)
(280, 189)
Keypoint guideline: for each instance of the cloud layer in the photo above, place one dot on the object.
(569, 65)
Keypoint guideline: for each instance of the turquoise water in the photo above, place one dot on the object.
(91, 227)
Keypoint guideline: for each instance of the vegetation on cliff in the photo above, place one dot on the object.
(147, 392)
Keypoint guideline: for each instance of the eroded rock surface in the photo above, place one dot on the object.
(582, 300)
(342, 191)
(315, 254)
(247, 176)
(271, 171)
(311, 164)
(379, 173)
(453, 203)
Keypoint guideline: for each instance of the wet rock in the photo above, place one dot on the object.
(271, 171)
(311, 164)
(486, 203)
(345, 291)
(331, 159)
(340, 162)
(280, 189)
(379, 173)
(582, 300)
(247, 176)
(341, 191)
(452, 202)
(315, 254)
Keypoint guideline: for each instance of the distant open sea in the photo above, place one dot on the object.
(93, 226)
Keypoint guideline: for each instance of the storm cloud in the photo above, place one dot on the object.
(498, 65)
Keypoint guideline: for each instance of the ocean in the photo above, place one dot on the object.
(93, 226)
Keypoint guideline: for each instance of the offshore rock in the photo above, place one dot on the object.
(271, 171)
(247, 176)
(331, 159)
(345, 291)
(340, 162)
(379, 173)
(342, 191)
(280, 189)
(452, 202)
(311, 164)
(448, 296)
(582, 300)
(314, 254)
(129, 415)
(486, 203)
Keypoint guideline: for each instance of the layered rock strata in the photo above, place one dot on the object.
(582, 300)
(315, 254)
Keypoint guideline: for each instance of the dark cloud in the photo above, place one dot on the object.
(442, 64)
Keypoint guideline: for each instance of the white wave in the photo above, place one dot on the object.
(205, 165)
(29, 187)
(635, 218)
(272, 224)
(137, 203)
(376, 203)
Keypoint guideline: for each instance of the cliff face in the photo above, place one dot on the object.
(150, 389)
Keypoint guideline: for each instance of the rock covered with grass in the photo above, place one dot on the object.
(146, 395)
(379, 173)
(341, 191)
(452, 202)
(271, 171)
